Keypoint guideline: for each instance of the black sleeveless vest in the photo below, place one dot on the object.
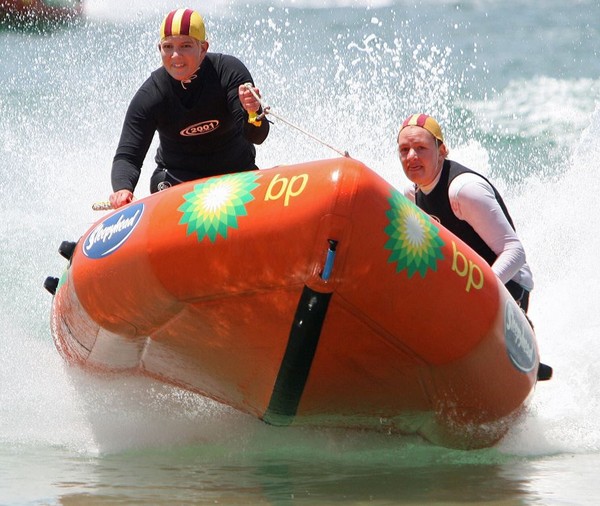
(437, 204)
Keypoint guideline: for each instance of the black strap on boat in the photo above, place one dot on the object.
(298, 357)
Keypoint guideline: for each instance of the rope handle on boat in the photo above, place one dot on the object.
(267, 110)
(102, 206)
(105, 205)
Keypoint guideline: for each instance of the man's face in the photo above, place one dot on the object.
(182, 55)
(420, 155)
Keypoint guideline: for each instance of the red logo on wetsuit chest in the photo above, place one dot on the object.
(204, 127)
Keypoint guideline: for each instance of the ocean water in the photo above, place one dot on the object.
(515, 84)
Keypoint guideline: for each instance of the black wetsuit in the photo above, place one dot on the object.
(203, 129)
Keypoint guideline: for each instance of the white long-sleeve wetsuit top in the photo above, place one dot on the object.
(472, 199)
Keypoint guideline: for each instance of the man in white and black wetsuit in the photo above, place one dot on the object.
(467, 204)
(205, 116)
(464, 202)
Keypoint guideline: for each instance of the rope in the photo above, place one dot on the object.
(267, 110)
(102, 206)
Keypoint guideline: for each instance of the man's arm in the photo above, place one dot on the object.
(234, 75)
(136, 136)
(472, 200)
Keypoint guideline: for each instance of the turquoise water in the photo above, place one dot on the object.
(516, 86)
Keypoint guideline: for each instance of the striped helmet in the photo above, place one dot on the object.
(183, 22)
(426, 122)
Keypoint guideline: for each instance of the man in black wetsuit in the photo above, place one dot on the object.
(205, 116)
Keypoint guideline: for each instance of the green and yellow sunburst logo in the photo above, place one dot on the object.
(414, 241)
(215, 205)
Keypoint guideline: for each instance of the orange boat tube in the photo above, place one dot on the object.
(312, 294)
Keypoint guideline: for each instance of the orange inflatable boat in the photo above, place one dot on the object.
(304, 294)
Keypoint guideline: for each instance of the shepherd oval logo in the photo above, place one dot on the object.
(112, 232)
(204, 127)
(519, 338)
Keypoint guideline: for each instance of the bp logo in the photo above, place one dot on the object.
(413, 240)
(214, 206)
(519, 338)
(110, 235)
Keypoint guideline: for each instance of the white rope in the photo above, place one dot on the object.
(267, 110)
(102, 206)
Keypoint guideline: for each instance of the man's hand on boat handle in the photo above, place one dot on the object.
(120, 198)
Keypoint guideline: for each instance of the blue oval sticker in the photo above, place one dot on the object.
(110, 235)
(519, 338)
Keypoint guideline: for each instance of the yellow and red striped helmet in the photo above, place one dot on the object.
(183, 22)
(426, 122)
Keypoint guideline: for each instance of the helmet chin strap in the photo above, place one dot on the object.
(189, 79)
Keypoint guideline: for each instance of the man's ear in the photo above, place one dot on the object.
(443, 150)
